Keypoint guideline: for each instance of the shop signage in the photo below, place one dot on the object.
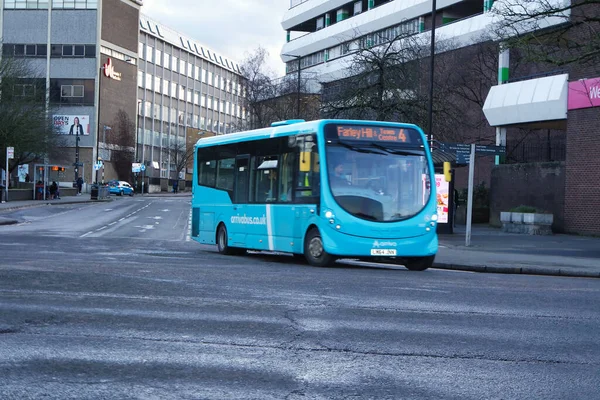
(109, 71)
(71, 124)
(442, 192)
(584, 93)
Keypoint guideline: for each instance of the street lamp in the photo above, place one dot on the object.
(105, 128)
(77, 155)
(299, 58)
(432, 63)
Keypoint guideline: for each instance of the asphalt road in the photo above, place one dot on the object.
(114, 301)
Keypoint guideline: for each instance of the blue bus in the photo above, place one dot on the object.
(325, 190)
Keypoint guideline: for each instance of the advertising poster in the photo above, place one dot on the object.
(71, 124)
(442, 188)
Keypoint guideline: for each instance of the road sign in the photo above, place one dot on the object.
(490, 150)
(463, 158)
(98, 165)
(10, 152)
(136, 167)
(142, 167)
(78, 164)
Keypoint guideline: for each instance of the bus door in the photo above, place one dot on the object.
(240, 200)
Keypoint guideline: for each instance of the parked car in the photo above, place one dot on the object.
(120, 188)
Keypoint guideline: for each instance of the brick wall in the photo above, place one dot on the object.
(539, 185)
(582, 189)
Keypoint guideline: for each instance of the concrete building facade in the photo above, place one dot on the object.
(184, 90)
(564, 102)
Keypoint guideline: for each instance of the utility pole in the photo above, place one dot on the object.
(105, 128)
(431, 74)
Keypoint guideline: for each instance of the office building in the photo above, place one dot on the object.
(185, 90)
(528, 98)
(86, 50)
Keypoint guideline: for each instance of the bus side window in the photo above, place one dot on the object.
(266, 179)
(286, 181)
(308, 180)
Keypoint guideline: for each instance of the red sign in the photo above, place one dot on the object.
(584, 93)
(109, 71)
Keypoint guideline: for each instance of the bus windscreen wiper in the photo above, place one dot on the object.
(403, 152)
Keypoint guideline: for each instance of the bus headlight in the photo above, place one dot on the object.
(329, 214)
(434, 217)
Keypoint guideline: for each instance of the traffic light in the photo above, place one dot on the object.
(447, 171)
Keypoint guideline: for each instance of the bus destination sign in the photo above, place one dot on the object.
(377, 133)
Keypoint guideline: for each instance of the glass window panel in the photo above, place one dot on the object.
(67, 50)
(79, 50)
(78, 91)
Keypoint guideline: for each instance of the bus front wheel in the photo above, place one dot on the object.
(314, 252)
(419, 263)
(223, 245)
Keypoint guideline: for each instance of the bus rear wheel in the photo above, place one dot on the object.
(223, 245)
(419, 263)
(314, 252)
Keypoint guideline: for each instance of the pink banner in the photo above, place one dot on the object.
(584, 93)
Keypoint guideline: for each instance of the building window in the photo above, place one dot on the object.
(157, 84)
(174, 62)
(43, 4)
(173, 89)
(165, 87)
(196, 98)
(358, 7)
(157, 57)
(148, 81)
(71, 91)
(140, 79)
(190, 70)
(182, 67)
(166, 60)
(320, 23)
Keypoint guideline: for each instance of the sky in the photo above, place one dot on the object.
(232, 28)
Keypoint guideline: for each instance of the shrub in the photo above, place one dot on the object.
(527, 209)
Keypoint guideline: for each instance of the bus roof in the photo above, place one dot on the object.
(285, 129)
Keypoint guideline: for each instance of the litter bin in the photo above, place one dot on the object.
(94, 192)
(103, 192)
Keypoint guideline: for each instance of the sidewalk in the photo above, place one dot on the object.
(84, 198)
(491, 249)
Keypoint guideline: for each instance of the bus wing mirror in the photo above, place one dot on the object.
(305, 161)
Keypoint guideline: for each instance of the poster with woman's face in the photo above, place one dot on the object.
(71, 124)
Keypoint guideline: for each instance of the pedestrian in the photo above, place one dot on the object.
(79, 185)
(27, 179)
(175, 185)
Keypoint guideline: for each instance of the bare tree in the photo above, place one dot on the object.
(122, 144)
(179, 153)
(25, 122)
(574, 37)
(387, 79)
(258, 86)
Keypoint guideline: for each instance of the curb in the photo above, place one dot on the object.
(43, 203)
(545, 271)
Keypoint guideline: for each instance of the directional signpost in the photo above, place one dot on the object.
(465, 154)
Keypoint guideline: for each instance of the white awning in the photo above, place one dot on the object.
(533, 100)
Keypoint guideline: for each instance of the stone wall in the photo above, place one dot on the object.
(540, 185)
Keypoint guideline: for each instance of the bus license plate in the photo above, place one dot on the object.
(383, 252)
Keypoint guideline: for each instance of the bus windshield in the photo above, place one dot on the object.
(378, 180)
